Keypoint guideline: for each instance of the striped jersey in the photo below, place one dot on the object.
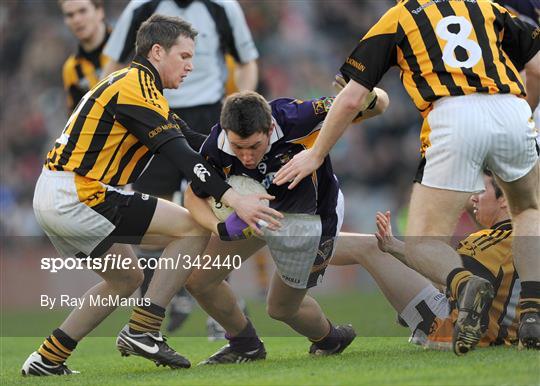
(111, 135)
(82, 71)
(446, 48)
(488, 254)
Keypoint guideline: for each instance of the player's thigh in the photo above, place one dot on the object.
(171, 221)
(355, 248)
(523, 193)
(434, 212)
(224, 254)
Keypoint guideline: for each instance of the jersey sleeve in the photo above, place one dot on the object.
(375, 53)
(298, 116)
(521, 40)
(476, 258)
(121, 43)
(144, 112)
(210, 151)
(240, 44)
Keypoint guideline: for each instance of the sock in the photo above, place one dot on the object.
(146, 319)
(530, 297)
(57, 348)
(456, 280)
(245, 340)
(329, 341)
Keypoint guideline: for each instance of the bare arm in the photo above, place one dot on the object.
(532, 72)
(246, 75)
(200, 210)
(349, 102)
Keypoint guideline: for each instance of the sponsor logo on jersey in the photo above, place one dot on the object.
(201, 172)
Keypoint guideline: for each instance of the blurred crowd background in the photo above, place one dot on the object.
(302, 44)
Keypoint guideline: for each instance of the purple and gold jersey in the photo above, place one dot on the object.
(297, 125)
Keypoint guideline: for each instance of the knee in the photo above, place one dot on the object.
(280, 312)
(127, 284)
(197, 287)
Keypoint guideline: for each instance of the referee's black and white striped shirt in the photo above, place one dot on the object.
(222, 29)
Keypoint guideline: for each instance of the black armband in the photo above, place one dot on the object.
(194, 167)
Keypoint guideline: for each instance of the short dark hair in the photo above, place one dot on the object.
(97, 3)
(496, 187)
(162, 30)
(245, 113)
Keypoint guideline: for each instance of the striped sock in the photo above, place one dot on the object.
(456, 281)
(146, 319)
(57, 348)
(530, 297)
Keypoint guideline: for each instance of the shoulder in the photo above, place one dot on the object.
(480, 241)
(231, 7)
(137, 87)
(70, 63)
(214, 142)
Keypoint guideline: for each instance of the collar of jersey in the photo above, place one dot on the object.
(145, 65)
(93, 56)
(225, 146)
(505, 225)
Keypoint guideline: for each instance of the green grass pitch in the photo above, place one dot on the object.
(379, 356)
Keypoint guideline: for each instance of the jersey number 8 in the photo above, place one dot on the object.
(460, 39)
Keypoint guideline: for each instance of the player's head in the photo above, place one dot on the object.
(246, 118)
(490, 206)
(169, 44)
(83, 17)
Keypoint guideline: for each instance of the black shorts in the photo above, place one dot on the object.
(131, 215)
(162, 178)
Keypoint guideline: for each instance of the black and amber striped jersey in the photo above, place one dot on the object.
(446, 48)
(488, 254)
(115, 128)
(82, 71)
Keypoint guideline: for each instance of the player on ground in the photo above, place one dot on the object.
(107, 142)
(460, 63)
(82, 71)
(429, 314)
(255, 139)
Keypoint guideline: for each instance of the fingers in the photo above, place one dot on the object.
(271, 220)
(281, 176)
(295, 181)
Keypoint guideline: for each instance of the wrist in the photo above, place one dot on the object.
(230, 198)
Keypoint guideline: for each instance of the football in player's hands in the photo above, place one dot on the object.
(243, 185)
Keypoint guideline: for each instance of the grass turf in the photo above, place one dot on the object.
(372, 359)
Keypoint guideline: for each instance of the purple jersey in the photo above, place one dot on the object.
(297, 125)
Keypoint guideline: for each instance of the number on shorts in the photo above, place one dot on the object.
(460, 39)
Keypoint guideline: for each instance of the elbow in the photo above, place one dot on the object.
(532, 67)
(383, 101)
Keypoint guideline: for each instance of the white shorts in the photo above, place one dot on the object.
(77, 229)
(304, 245)
(477, 131)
